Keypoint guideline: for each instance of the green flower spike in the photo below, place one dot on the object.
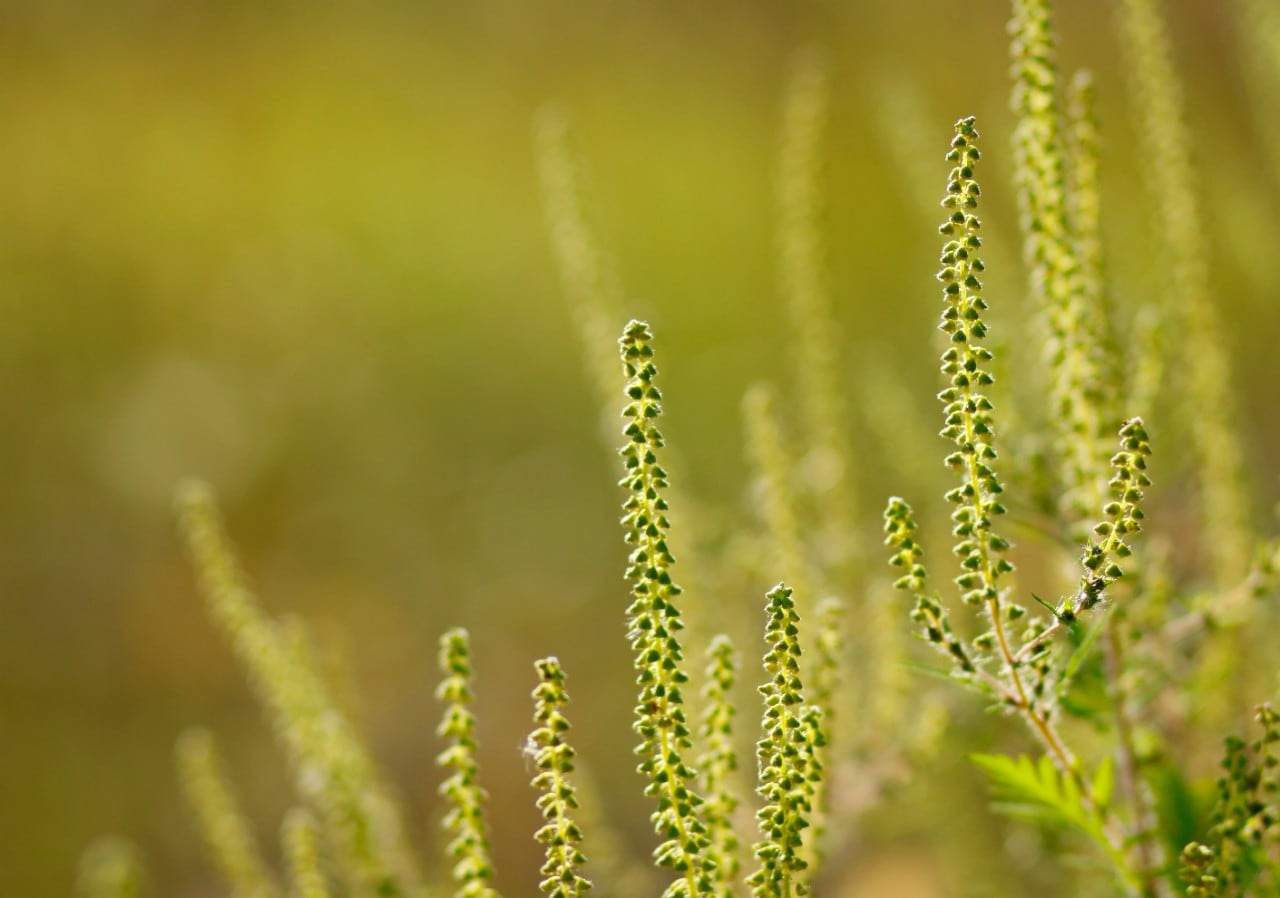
(774, 495)
(553, 757)
(301, 841)
(110, 868)
(1073, 347)
(785, 755)
(827, 471)
(332, 769)
(589, 282)
(1109, 545)
(1085, 208)
(827, 674)
(472, 870)
(226, 830)
(1240, 859)
(719, 761)
(929, 612)
(966, 408)
(1190, 316)
(653, 628)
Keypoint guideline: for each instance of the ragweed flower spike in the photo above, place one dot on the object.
(110, 868)
(786, 756)
(1239, 857)
(225, 829)
(1123, 518)
(1085, 207)
(966, 408)
(301, 839)
(332, 769)
(929, 612)
(553, 757)
(1190, 317)
(472, 870)
(1073, 346)
(654, 625)
(588, 279)
(828, 468)
(718, 763)
(771, 464)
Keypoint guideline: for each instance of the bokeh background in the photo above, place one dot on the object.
(298, 249)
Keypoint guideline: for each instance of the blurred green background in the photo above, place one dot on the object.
(298, 249)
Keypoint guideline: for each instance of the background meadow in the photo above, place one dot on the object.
(300, 251)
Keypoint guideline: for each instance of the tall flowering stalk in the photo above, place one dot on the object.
(1058, 283)
(966, 409)
(654, 626)
(1019, 678)
(469, 847)
(553, 757)
(718, 763)
(1241, 855)
(827, 470)
(333, 771)
(110, 868)
(774, 493)
(1084, 205)
(301, 839)
(1188, 311)
(226, 830)
(587, 277)
(786, 754)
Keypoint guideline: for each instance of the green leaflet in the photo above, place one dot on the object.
(1036, 790)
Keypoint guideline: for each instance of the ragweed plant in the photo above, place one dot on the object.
(774, 497)
(1023, 679)
(1084, 207)
(1105, 650)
